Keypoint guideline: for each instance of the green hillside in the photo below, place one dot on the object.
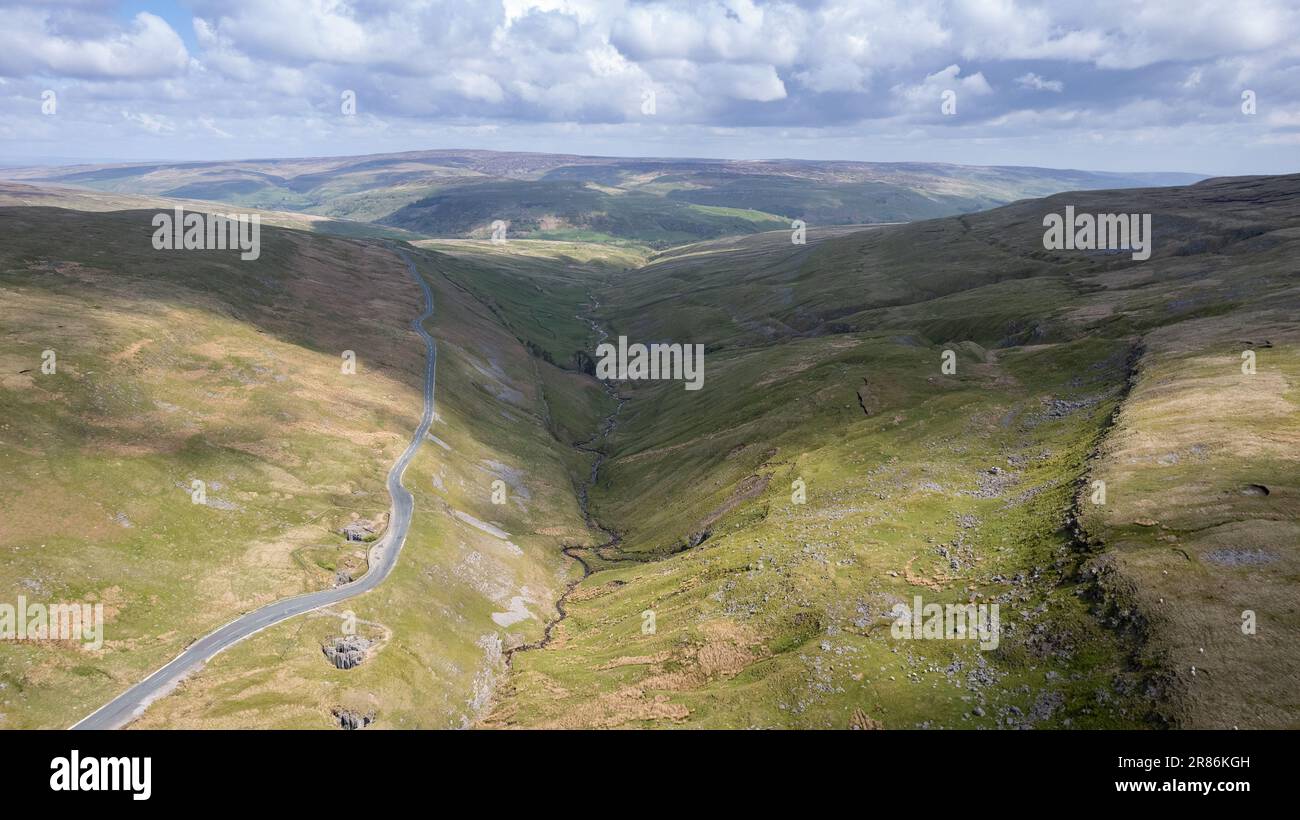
(824, 366)
(654, 202)
(727, 557)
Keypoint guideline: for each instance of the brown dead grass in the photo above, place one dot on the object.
(1192, 550)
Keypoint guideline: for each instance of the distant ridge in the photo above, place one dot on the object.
(652, 201)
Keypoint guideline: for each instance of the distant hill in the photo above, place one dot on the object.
(654, 201)
(86, 199)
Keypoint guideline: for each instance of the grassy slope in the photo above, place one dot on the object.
(197, 365)
(441, 650)
(1193, 543)
(174, 368)
(776, 619)
(573, 210)
(535, 288)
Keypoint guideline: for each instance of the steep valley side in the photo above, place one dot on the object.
(824, 375)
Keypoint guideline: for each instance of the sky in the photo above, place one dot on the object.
(1203, 86)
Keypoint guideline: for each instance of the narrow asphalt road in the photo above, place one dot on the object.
(383, 556)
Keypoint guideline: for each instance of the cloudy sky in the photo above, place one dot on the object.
(1096, 84)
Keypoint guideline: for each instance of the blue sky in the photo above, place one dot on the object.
(1106, 85)
(176, 15)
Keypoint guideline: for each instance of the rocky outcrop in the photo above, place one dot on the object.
(349, 719)
(347, 651)
(358, 531)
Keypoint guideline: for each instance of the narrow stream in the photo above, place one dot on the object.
(594, 445)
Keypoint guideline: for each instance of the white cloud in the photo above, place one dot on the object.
(579, 67)
(149, 122)
(34, 42)
(755, 82)
(475, 86)
(1036, 83)
(927, 94)
(212, 128)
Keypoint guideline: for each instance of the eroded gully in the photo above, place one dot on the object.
(596, 447)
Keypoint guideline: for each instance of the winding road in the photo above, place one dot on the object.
(383, 556)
